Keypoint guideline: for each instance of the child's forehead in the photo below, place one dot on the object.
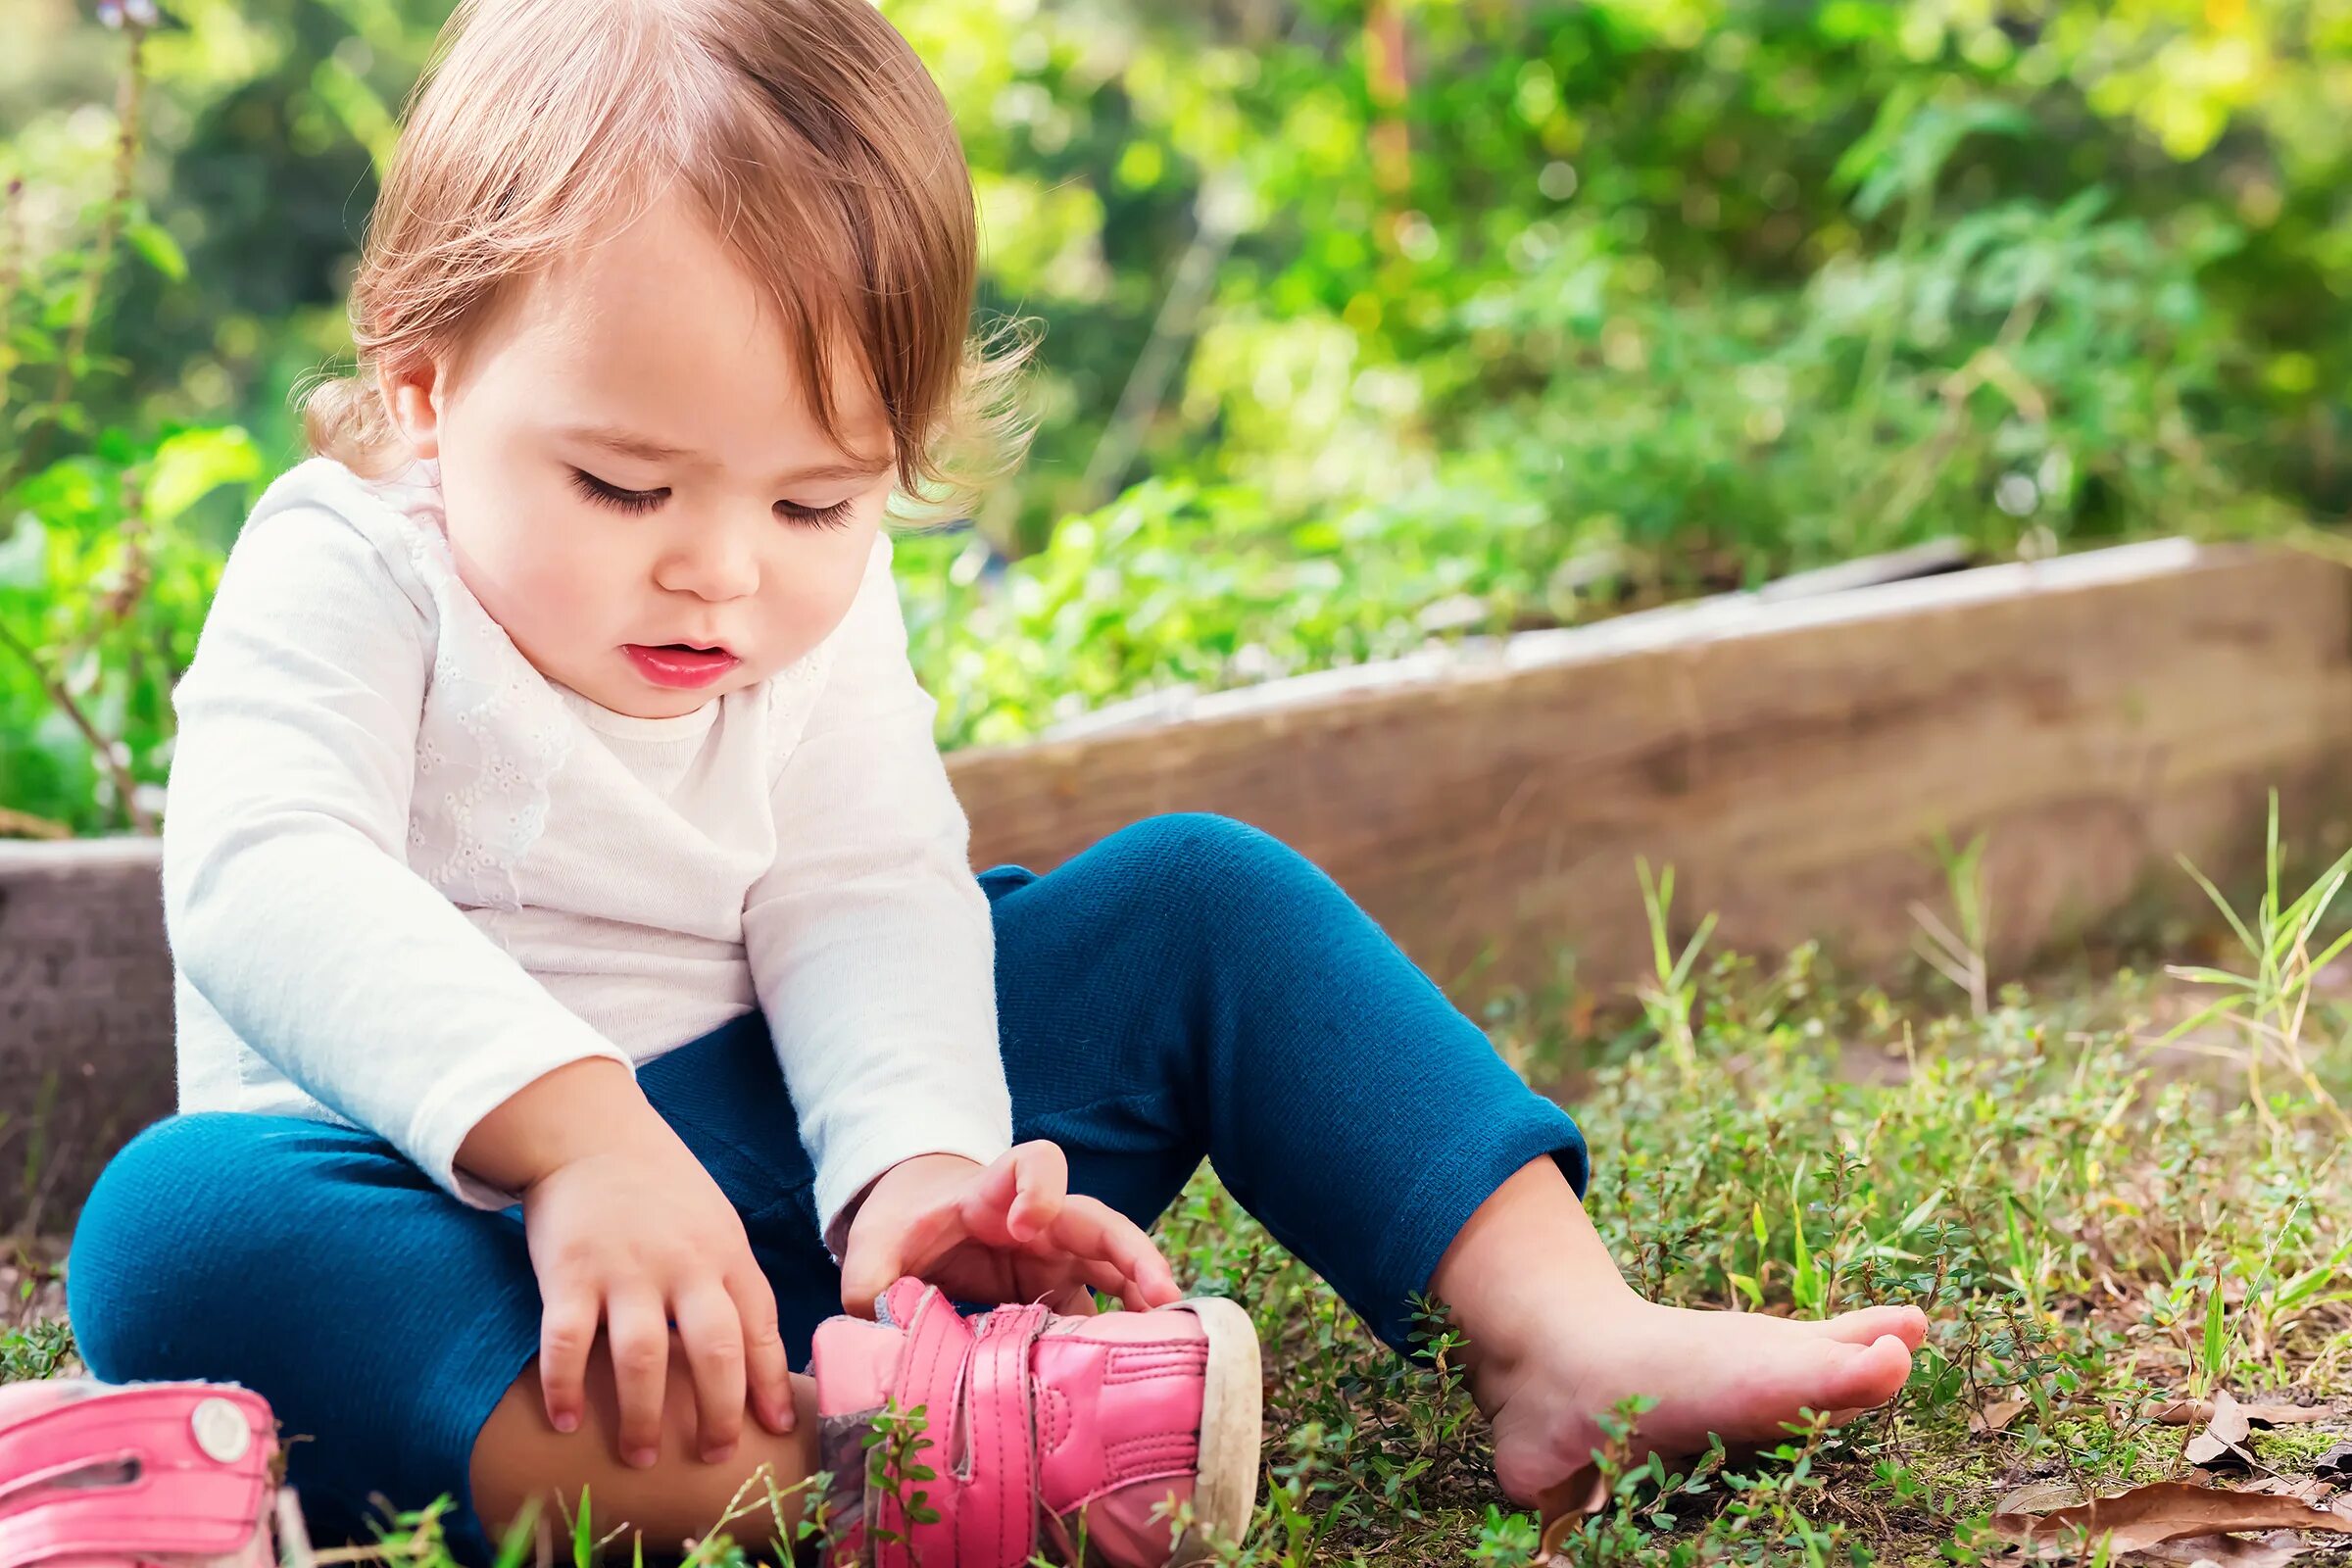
(662, 317)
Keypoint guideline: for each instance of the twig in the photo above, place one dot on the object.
(126, 787)
(1148, 381)
(14, 824)
(12, 258)
(126, 150)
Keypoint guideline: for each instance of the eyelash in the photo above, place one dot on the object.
(836, 516)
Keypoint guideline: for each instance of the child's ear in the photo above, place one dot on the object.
(412, 395)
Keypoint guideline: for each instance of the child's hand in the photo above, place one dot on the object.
(1006, 1232)
(637, 1234)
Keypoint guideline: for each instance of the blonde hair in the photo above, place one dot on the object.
(813, 137)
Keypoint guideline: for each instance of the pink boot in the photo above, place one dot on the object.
(142, 1475)
(1039, 1426)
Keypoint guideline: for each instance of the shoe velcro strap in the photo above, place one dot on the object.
(931, 1373)
(996, 1505)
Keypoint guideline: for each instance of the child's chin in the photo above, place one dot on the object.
(634, 697)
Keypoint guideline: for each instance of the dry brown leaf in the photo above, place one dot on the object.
(2168, 1510)
(2275, 1550)
(1997, 1416)
(2039, 1496)
(2218, 1445)
(1564, 1504)
(2197, 1412)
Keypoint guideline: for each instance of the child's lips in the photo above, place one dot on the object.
(680, 663)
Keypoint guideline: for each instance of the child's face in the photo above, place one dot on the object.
(628, 465)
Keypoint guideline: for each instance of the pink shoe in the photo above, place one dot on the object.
(141, 1474)
(1042, 1425)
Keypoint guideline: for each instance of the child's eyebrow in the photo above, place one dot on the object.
(629, 443)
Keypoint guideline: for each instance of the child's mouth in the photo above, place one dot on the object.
(680, 663)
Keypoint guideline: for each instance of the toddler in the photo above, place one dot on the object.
(585, 1001)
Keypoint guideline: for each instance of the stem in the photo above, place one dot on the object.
(11, 259)
(1386, 83)
(126, 149)
(128, 96)
(1877, 353)
(1179, 314)
(126, 787)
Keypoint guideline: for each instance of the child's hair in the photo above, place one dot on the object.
(811, 136)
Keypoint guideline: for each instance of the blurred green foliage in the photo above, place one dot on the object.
(1367, 320)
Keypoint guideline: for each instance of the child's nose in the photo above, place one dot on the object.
(717, 562)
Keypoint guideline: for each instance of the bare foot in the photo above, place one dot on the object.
(1739, 1375)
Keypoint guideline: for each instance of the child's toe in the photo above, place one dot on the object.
(1870, 1324)
(1863, 1376)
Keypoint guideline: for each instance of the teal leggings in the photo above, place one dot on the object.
(1187, 988)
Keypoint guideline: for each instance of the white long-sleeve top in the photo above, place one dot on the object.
(405, 874)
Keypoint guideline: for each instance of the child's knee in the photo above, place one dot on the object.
(1200, 862)
(185, 1222)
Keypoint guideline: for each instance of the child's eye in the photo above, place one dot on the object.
(613, 496)
(836, 516)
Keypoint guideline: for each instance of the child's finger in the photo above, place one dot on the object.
(868, 1268)
(1092, 1229)
(638, 1329)
(1027, 1180)
(711, 1333)
(1111, 1279)
(1044, 1183)
(766, 1369)
(567, 1331)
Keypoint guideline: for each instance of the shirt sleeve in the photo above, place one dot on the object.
(287, 895)
(869, 940)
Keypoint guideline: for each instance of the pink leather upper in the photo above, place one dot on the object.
(1031, 1416)
(1119, 1414)
(97, 1474)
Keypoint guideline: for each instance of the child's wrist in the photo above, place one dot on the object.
(586, 1107)
(914, 1167)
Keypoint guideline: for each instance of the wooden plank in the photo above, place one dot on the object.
(1173, 703)
(1792, 760)
(85, 1017)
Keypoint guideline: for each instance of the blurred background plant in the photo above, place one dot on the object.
(1368, 321)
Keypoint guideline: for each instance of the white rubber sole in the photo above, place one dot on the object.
(1232, 1413)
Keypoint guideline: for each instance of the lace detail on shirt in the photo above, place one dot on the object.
(493, 734)
(792, 694)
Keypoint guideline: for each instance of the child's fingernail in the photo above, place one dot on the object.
(718, 1455)
(567, 1421)
(643, 1458)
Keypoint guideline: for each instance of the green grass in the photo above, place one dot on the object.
(2097, 1224)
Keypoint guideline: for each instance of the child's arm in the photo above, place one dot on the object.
(288, 896)
(871, 940)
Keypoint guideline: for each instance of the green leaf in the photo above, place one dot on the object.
(63, 306)
(520, 1537)
(193, 464)
(1807, 1287)
(1920, 1215)
(2213, 1333)
(163, 252)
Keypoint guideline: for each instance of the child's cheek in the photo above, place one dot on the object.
(581, 593)
(544, 591)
